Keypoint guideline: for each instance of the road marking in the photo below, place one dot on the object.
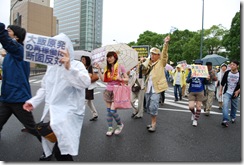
(32, 80)
(96, 93)
(38, 81)
(182, 110)
(101, 84)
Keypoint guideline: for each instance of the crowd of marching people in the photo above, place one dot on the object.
(67, 89)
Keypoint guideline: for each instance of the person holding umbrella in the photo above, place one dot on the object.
(210, 89)
(114, 74)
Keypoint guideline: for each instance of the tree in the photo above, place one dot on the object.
(213, 38)
(231, 40)
(152, 39)
(178, 41)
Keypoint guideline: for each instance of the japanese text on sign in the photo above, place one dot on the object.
(98, 55)
(143, 51)
(43, 49)
(199, 71)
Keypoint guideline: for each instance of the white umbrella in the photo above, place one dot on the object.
(127, 56)
(79, 53)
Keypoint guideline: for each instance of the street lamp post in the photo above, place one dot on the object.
(10, 21)
(202, 29)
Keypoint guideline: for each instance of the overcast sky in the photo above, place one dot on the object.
(125, 20)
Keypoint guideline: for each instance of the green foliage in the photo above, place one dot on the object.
(232, 39)
(185, 45)
(40, 66)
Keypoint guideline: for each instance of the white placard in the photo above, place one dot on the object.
(42, 49)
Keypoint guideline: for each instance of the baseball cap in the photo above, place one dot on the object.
(154, 50)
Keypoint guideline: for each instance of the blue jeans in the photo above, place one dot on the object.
(152, 103)
(234, 105)
(177, 88)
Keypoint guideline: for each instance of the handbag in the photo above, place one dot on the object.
(122, 96)
(94, 77)
(46, 131)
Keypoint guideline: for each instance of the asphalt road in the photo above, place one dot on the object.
(175, 139)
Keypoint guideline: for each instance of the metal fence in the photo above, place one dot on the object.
(37, 71)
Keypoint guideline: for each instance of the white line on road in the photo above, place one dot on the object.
(182, 110)
(38, 81)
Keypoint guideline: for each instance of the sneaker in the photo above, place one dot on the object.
(149, 126)
(192, 117)
(225, 124)
(194, 123)
(118, 129)
(44, 158)
(94, 118)
(207, 113)
(152, 129)
(233, 120)
(24, 130)
(110, 131)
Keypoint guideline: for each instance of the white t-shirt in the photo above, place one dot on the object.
(232, 81)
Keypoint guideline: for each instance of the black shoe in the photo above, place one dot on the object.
(225, 124)
(44, 158)
(94, 118)
(24, 130)
(137, 117)
(133, 115)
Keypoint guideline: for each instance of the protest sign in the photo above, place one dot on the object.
(98, 55)
(183, 64)
(199, 70)
(143, 50)
(42, 49)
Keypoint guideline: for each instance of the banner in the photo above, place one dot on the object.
(42, 49)
(143, 50)
(98, 55)
(199, 71)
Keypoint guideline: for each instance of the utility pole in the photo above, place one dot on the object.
(202, 29)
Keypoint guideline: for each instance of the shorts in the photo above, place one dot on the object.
(152, 103)
(89, 94)
(108, 96)
(196, 96)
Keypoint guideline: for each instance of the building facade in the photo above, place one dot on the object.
(36, 16)
(81, 20)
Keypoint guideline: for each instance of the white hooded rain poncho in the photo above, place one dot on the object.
(64, 94)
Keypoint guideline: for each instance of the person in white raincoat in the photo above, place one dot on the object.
(63, 90)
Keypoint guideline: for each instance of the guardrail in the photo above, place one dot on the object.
(37, 71)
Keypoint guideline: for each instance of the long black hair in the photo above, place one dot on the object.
(109, 54)
(88, 60)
